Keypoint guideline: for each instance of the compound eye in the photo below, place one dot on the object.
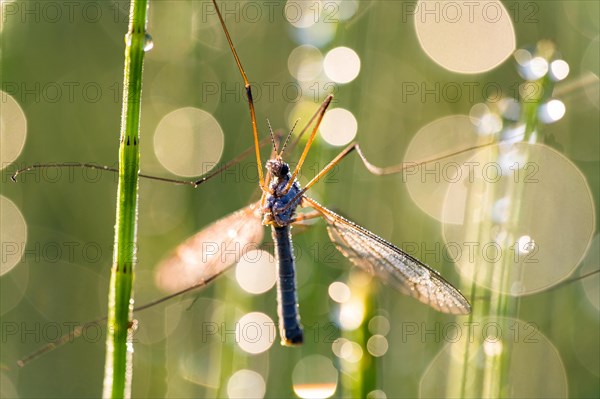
(284, 169)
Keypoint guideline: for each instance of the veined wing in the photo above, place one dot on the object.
(212, 250)
(374, 254)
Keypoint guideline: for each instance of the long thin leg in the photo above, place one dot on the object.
(261, 181)
(389, 170)
(79, 329)
(322, 173)
(319, 116)
(329, 166)
(304, 129)
(375, 169)
(194, 183)
(302, 217)
(405, 165)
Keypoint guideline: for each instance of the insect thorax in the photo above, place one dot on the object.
(277, 200)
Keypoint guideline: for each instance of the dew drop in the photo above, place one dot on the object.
(148, 43)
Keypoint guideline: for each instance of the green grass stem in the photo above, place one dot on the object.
(119, 355)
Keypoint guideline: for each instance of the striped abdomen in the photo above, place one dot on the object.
(287, 307)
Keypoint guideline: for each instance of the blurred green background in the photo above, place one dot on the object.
(65, 70)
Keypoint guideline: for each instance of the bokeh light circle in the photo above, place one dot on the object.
(318, 34)
(530, 353)
(13, 235)
(352, 314)
(531, 69)
(246, 384)
(551, 111)
(559, 70)
(13, 125)
(377, 394)
(314, 377)
(255, 332)
(305, 63)
(351, 352)
(256, 272)
(188, 142)
(14, 287)
(379, 325)
(339, 292)
(337, 347)
(427, 185)
(342, 64)
(339, 127)
(591, 284)
(302, 14)
(7, 387)
(464, 36)
(377, 345)
(483, 246)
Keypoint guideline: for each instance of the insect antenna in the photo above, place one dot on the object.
(319, 117)
(310, 121)
(272, 136)
(287, 139)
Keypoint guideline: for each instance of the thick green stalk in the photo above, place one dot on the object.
(118, 367)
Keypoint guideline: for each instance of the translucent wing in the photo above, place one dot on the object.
(390, 263)
(212, 250)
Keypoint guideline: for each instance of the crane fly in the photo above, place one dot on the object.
(280, 199)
